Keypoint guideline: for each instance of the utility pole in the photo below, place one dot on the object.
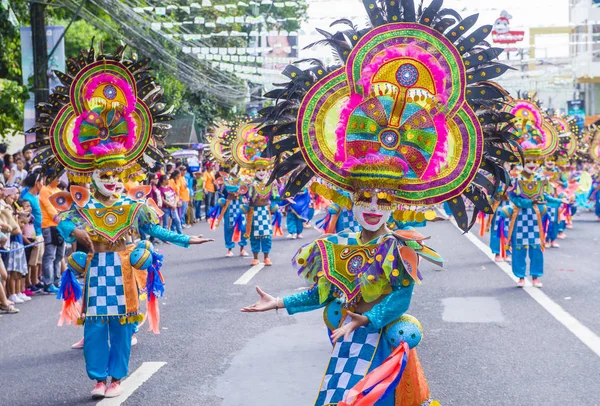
(40, 54)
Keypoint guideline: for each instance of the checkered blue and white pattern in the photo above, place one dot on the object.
(346, 221)
(105, 294)
(497, 216)
(349, 363)
(261, 222)
(527, 230)
(235, 208)
(553, 213)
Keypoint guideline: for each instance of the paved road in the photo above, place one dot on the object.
(486, 341)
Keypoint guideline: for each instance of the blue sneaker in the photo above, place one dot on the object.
(51, 289)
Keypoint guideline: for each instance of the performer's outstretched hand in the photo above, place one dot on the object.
(199, 240)
(266, 303)
(358, 320)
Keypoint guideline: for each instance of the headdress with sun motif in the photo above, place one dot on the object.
(409, 113)
(532, 128)
(569, 138)
(248, 146)
(106, 115)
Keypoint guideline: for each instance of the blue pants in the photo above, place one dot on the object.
(295, 224)
(229, 244)
(182, 211)
(261, 244)
(101, 359)
(519, 261)
(495, 243)
(197, 209)
(176, 224)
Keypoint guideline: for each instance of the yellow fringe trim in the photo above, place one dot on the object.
(330, 194)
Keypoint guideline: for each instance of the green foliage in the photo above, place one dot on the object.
(12, 99)
(12, 94)
(80, 35)
(178, 94)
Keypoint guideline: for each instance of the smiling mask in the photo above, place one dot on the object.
(371, 212)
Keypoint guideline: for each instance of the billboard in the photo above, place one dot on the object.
(56, 62)
(501, 32)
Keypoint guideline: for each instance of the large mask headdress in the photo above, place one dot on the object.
(594, 148)
(106, 115)
(532, 129)
(219, 140)
(248, 147)
(410, 114)
(569, 135)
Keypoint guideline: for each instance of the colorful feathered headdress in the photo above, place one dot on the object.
(248, 146)
(409, 113)
(106, 115)
(532, 129)
(569, 135)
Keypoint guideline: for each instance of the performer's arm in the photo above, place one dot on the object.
(305, 301)
(391, 307)
(65, 228)
(156, 231)
(521, 202)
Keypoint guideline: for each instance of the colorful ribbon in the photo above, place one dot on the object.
(380, 382)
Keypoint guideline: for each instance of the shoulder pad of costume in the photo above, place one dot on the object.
(139, 192)
(409, 235)
(62, 201)
(80, 195)
(150, 202)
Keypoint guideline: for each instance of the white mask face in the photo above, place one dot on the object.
(106, 185)
(530, 167)
(550, 164)
(370, 216)
(261, 174)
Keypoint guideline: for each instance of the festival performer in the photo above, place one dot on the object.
(98, 126)
(246, 151)
(228, 211)
(298, 213)
(567, 189)
(538, 139)
(594, 156)
(380, 127)
(551, 222)
(261, 208)
(498, 227)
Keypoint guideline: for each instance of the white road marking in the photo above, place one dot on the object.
(249, 274)
(134, 381)
(584, 334)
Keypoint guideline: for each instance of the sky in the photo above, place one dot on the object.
(525, 13)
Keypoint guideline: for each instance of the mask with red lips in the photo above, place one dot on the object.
(371, 212)
(106, 182)
(530, 166)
